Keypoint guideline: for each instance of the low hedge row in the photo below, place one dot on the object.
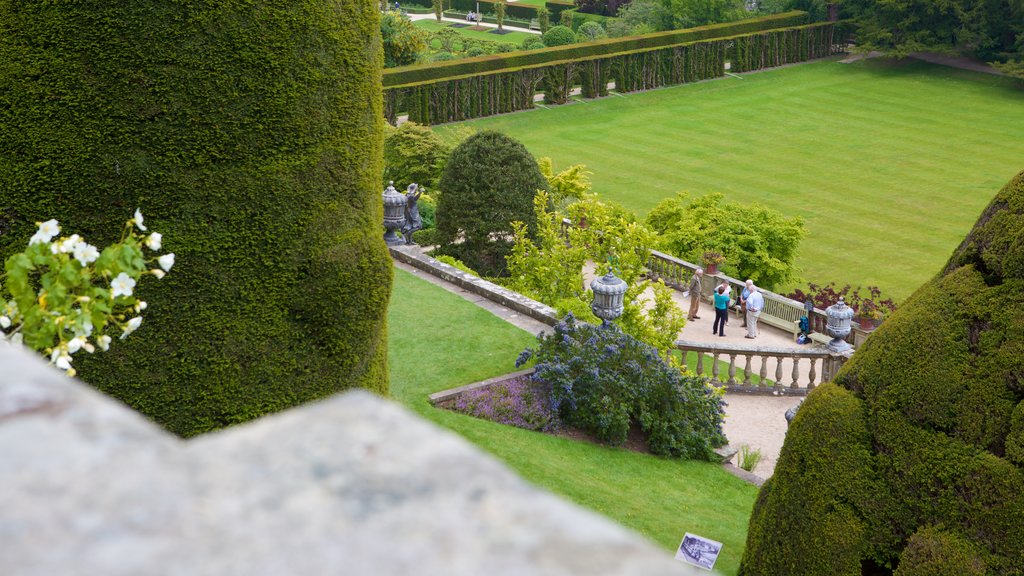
(521, 11)
(574, 18)
(407, 75)
(488, 94)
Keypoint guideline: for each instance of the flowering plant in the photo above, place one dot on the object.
(518, 402)
(60, 296)
(711, 257)
(866, 303)
(603, 381)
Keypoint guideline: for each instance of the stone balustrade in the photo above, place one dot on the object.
(777, 370)
(779, 311)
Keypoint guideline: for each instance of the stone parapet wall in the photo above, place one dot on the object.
(350, 485)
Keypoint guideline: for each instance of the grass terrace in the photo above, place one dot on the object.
(508, 38)
(452, 342)
(889, 163)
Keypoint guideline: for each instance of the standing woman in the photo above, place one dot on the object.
(721, 310)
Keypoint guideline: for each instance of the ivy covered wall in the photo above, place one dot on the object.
(249, 133)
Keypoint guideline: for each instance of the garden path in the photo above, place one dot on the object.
(415, 17)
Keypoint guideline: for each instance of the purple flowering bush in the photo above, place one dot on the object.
(518, 402)
(602, 380)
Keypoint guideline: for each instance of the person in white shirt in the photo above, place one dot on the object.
(754, 304)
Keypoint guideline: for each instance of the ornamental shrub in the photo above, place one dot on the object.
(590, 31)
(603, 381)
(757, 242)
(403, 41)
(414, 153)
(488, 183)
(251, 135)
(558, 36)
(931, 408)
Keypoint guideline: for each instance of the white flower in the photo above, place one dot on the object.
(5, 322)
(137, 220)
(153, 242)
(132, 326)
(47, 230)
(166, 261)
(140, 305)
(68, 244)
(61, 359)
(86, 253)
(122, 285)
(75, 344)
(158, 273)
(55, 248)
(103, 342)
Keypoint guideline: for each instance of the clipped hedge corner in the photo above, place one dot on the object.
(250, 135)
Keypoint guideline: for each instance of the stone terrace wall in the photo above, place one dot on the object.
(350, 485)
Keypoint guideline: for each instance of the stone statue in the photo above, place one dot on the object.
(413, 222)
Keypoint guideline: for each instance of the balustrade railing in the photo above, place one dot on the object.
(777, 370)
(779, 311)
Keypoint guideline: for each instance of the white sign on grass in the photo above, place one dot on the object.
(699, 551)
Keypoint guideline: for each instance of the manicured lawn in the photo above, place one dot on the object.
(889, 164)
(510, 38)
(439, 341)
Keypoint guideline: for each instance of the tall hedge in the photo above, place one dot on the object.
(489, 182)
(249, 134)
(931, 404)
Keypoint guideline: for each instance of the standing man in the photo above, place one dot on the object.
(695, 290)
(742, 304)
(754, 304)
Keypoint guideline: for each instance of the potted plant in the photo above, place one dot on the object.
(711, 261)
(869, 315)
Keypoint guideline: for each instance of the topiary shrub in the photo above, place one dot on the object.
(558, 36)
(488, 183)
(603, 381)
(532, 42)
(414, 153)
(589, 31)
(933, 552)
(940, 383)
(250, 136)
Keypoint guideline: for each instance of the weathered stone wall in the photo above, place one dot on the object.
(350, 485)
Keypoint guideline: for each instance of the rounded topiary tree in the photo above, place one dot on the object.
(488, 183)
(250, 136)
(559, 36)
(912, 458)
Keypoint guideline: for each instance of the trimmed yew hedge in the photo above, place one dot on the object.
(249, 133)
(466, 97)
(414, 74)
(908, 460)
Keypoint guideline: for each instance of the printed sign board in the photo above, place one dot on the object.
(699, 551)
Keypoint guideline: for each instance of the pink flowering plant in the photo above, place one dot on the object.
(62, 295)
(517, 402)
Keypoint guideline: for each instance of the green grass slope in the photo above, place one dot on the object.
(887, 162)
(439, 341)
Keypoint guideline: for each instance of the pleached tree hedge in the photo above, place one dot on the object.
(473, 89)
(249, 134)
(911, 462)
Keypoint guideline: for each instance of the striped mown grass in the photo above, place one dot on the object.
(889, 163)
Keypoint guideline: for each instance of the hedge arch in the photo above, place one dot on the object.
(249, 133)
(938, 483)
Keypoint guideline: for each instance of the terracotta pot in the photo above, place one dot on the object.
(711, 268)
